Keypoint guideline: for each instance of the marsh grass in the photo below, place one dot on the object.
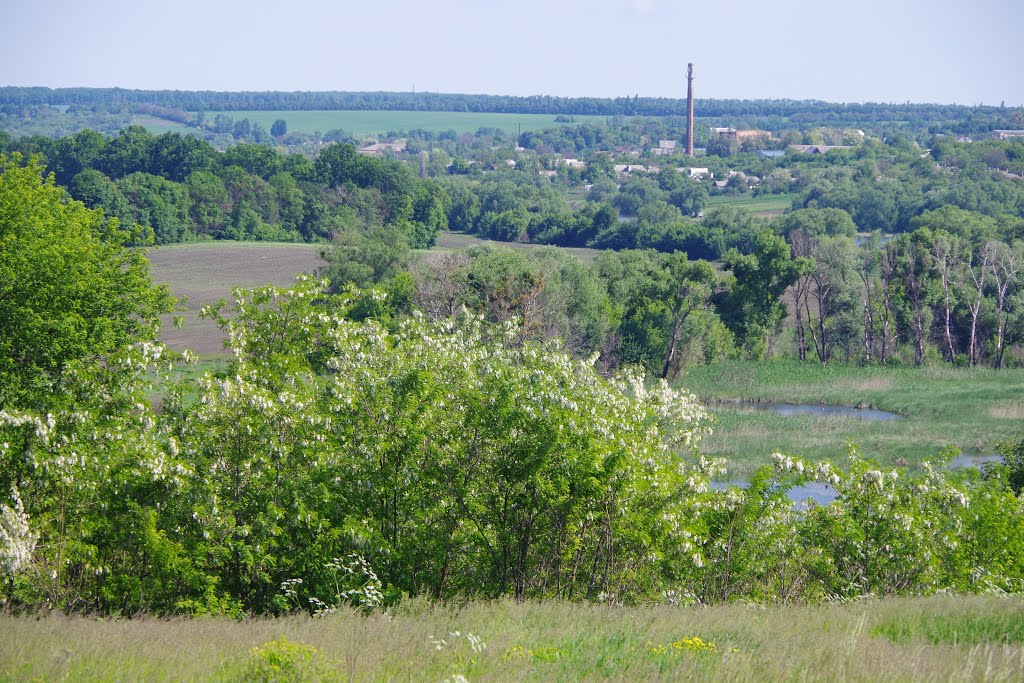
(549, 641)
(1013, 410)
(969, 409)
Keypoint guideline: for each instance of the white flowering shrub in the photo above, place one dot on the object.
(97, 475)
(455, 458)
(17, 540)
(895, 531)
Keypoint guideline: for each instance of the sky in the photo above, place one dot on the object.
(923, 51)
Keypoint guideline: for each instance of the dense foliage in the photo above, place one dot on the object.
(179, 188)
(448, 459)
(69, 290)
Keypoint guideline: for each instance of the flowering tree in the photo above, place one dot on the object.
(455, 458)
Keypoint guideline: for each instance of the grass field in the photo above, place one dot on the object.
(454, 241)
(970, 409)
(938, 638)
(766, 205)
(206, 272)
(380, 122)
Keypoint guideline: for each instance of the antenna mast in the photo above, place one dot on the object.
(689, 109)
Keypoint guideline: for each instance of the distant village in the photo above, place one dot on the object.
(766, 145)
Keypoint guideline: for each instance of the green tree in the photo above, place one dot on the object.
(817, 223)
(366, 258)
(176, 156)
(210, 202)
(255, 159)
(130, 152)
(279, 128)
(74, 154)
(69, 289)
(159, 204)
(751, 307)
(97, 191)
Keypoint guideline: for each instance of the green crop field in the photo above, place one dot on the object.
(944, 637)
(969, 409)
(765, 204)
(381, 122)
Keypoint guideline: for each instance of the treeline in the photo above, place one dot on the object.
(925, 296)
(178, 188)
(658, 311)
(972, 118)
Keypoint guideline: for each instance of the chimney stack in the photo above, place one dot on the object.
(689, 109)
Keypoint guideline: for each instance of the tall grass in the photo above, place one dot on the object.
(969, 409)
(533, 642)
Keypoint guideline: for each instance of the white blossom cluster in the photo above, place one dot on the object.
(17, 539)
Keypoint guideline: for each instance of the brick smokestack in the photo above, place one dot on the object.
(689, 109)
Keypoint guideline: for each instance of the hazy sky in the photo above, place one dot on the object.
(842, 51)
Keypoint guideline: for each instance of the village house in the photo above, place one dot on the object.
(695, 172)
(664, 148)
(626, 169)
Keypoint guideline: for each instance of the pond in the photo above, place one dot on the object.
(819, 492)
(978, 461)
(824, 494)
(791, 409)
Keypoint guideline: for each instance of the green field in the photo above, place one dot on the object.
(970, 409)
(939, 638)
(381, 122)
(455, 241)
(765, 205)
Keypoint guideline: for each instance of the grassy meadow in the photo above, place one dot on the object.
(970, 409)
(448, 242)
(938, 638)
(766, 205)
(380, 122)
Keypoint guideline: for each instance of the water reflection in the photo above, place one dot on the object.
(824, 494)
(791, 409)
(978, 461)
(819, 492)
